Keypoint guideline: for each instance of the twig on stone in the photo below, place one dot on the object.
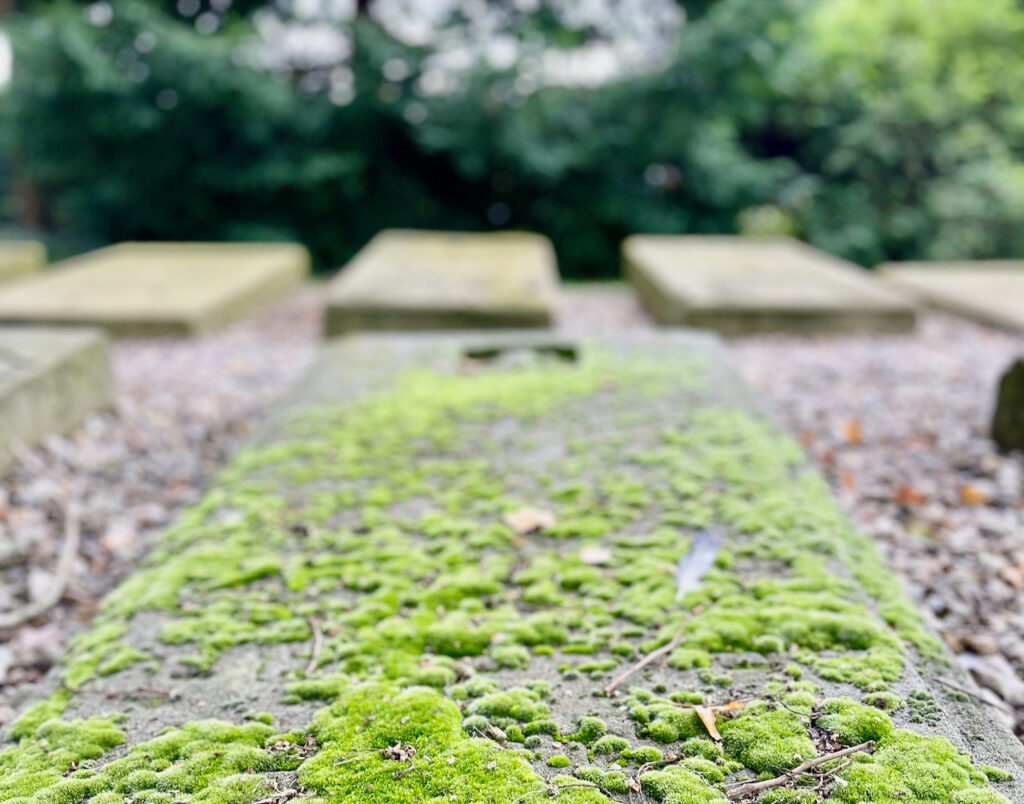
(318, 644)
(166, 692)
(553, 790)
(749, 788)
(65, 568)
(648, 659)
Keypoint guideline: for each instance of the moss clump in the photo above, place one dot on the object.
(641, 756)
(558, 761)
(611, 745)
(853, 723)
(676, 785)
(518, 705)
(886, 701)
(914, 770)
(588, 730)
(447, 764)
(316, 689)
(995, 774)
(767, 740)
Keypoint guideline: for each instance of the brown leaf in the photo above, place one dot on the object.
(1013, 575)
(972, 495)
(730, 707)
(528, 520)
(707, 717)
(908, 495)
(851, 432)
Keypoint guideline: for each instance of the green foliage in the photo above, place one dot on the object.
(874, 129)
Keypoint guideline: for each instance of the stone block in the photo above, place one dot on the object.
(475, 567)
(740, 285)
(988, 291)
(152, 289)
(411, 280)
(50, 380)
(20, 258)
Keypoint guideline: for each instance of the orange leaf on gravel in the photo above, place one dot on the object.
(851, 432)
(972, 495)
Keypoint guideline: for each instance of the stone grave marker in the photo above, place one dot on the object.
(50, 379)
(406, 279)
(20, 258)
(988, 291)
(482, 569)
(738, 285)
(144, 289)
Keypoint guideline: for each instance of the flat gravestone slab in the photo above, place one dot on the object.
(20, 258)
(988, 291)
(406, 279)
(50, 379)
(495, 569)
(738, 285)
(143, 289)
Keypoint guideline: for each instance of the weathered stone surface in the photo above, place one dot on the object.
(405, 279)
(144, 289)
(50, 379)
(20, 258)
(988, 291)
(738, 285)
(433, 567)
(1008, 419)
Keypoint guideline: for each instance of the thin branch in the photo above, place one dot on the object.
(756, 787)
(65, 568)
(648, 659)
(318, 644)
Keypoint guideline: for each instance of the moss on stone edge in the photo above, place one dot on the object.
(407, 598)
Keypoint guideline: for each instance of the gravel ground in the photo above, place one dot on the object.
(897, 423)
(183, 406)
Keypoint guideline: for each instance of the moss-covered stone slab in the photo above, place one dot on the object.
(146, 289)
(20, 258)
(430, 579)
(50, 379)
(739, 285)
(412, 280)
(988, 291)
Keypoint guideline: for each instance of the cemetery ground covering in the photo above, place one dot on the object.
(860, 427)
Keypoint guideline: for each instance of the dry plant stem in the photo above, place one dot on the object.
(318, 644)
(648, 659)
(756, 787)
(65, 568)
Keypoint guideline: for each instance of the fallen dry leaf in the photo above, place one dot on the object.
(528, 520)
(972, 495)
(707, 717)
(908, 495)
(851, 432)
(1013, 575)
(595, 554)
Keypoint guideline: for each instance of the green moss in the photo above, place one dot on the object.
(589, 730)
(611, 745)
(448, 764)
(853, 723)
(400, 597)
(885, 701)
(676, 785)
(558, 761)
(995, 774)
(915, 770)
(504, 708)
(767, 740)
